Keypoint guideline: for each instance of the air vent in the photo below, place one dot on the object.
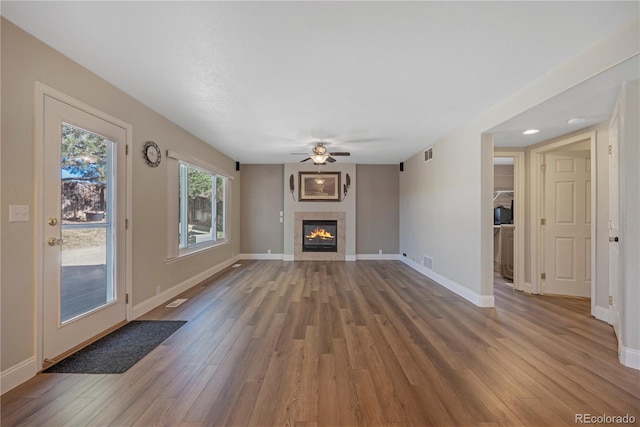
(427, 261)
(175, 303)
(428, 154)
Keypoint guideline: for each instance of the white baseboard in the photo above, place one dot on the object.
(629, 357)
(376, 257)
(291, 258)
(153, 302)
(17, 374)
(601, 313)
(277, 257)
(466, 293)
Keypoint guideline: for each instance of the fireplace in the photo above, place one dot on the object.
(319, 235)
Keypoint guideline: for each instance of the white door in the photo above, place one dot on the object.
(83, 239)
(614, 248)
(568, 221)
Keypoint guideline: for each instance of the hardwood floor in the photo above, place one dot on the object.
(367, 343)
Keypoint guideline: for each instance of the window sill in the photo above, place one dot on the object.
(186, 253)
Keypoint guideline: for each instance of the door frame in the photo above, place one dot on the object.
(519, 207)
(537, 209)
(40, 91)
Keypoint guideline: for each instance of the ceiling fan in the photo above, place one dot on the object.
(320, 155)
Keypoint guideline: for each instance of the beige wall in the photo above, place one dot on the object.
(445, 206)
(261, 201)
(26, 60)
(377, 209)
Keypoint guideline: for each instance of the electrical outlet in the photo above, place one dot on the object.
(269, 251)
(379, 251)
(157, 289)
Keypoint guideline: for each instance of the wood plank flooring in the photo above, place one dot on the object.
(367, 343)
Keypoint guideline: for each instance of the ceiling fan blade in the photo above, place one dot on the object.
(341, 153)
(330, 159)
(308, 158)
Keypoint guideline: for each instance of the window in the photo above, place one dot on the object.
(199, 197)
(202, 206)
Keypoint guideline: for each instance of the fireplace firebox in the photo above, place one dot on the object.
(319, 236)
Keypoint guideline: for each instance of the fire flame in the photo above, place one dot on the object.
(321, 233)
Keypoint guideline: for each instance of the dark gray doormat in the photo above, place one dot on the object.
(121, 349)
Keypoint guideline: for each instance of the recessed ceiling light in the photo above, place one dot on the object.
(576, 120)
(530, 131)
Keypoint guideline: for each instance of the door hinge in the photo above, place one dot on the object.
(610, 300)
(543, 276)
(543, 221)
(543, 167)
(126, 223)
(126, 298)
(126, 150)
(610, 149)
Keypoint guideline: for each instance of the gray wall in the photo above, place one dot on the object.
(261, 201)
(26, 60)
(377, 209)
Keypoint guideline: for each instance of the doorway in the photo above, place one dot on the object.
(563, 208)
(509, 233)
(82, 232)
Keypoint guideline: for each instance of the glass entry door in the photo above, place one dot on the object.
(83, 254)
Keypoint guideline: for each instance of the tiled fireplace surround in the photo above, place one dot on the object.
(299, 255)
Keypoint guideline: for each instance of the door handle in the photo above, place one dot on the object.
(613, 239)
(54, 241)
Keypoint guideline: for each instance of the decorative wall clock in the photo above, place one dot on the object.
(152, 153)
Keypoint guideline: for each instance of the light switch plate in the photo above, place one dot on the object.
(18, 213)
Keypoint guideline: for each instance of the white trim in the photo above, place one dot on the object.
(157, 300)
(199, 163)
(287, 257)
(40, 91)
(357, 257)
(527, 287)
(376, 257)
(464, 292)
(629, 357)
(518, 206)
(18, 374)
(277, 257)
(601, 313)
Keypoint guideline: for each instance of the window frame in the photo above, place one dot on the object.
(175, 250)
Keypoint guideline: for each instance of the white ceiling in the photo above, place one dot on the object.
(259, 80)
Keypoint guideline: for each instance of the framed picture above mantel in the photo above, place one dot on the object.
(319, 186)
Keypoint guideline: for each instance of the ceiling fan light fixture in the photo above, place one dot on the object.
(319, 158)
